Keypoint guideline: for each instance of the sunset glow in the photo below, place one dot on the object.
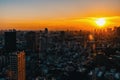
(58, 14)
(100, 22)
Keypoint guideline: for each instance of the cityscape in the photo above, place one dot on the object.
(60, 55)
(59, 40)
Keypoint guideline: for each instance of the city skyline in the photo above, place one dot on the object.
(59, 40)
(57, 14)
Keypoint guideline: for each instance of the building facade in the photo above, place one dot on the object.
(17, 65)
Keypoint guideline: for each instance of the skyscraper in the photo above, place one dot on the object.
(46, 31)
(31, 41)
(43, 41)
(17, 65)
(10, 41)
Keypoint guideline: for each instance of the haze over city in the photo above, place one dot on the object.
(58, 14)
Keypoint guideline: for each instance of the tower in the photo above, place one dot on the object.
(10, 41)
(17, 65)
(31, 41)
(44, 41)
(46, 30)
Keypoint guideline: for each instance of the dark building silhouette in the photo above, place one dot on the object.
(44, 40)
(46, 30)
(10, 41)
(43, 43)
(31, 41)
(117, 35)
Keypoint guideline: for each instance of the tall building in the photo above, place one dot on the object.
(43, 41)
(117, 34)
(37, 42)
(17, 65)
(42, 44)
(31, 41)
(10, 41)
(46, 31)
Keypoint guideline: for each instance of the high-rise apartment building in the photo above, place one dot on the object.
(17, 65)
(10, 41)
(31, 41)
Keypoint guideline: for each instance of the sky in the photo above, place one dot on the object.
(57, 14)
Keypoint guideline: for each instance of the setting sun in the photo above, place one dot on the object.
(100, 22)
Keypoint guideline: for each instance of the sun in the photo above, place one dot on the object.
(100, 22)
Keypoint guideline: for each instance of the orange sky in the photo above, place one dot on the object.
(57, 14)
(60, 24)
